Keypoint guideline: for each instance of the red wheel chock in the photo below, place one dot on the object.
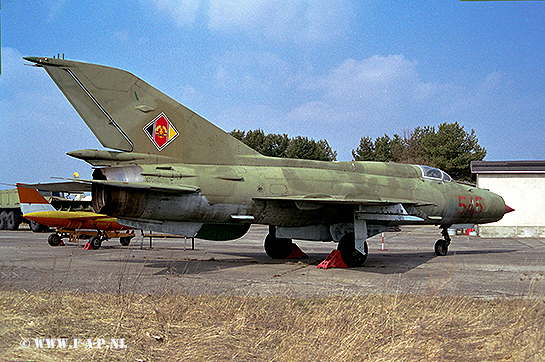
(296, 253)
(333, 260)
(88, 246)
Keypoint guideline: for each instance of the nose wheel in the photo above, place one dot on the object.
(441, 245)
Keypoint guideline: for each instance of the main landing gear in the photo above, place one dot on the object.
(441, 245)
(353, 253)
(350, 255)
(277, 248)
(281, 248)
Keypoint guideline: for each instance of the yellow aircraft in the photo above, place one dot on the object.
(72, 224)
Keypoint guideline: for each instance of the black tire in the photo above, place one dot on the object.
(277, 248)
(13, 220)
(95, 241)
(54, 240)
(351, 256)
(37, 228)
(125, 240)
(441, 247)
(3, 220)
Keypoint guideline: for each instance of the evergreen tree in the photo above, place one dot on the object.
(276, 145)
(365, 151)
(383, 149)
(449, 148)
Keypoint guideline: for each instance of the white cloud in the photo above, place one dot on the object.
(256, 72)
(55, 9)
(389, 89)
(378, 79)
(359, 97)
(379, 89)
(183, 12)
(300, 21)
(386, 94)
(490, 94)
(381, 94)
(297, 21)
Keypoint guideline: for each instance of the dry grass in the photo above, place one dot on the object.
(224, 328)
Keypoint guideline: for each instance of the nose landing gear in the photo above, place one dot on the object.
(441, 245)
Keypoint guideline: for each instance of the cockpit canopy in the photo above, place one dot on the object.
(435, 174)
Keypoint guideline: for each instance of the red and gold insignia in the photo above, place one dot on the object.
(160, 131)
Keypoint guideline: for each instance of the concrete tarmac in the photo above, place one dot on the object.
(474, 266)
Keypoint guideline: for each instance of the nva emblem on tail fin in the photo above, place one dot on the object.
(160, 131)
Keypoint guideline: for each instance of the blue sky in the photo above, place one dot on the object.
(358, 68)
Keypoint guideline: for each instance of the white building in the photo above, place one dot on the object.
(522, 186)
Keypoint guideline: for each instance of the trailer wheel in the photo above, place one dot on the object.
(13, 220)
(3, 220)
(54, 240)
(38, 228)
(125, 240)
(96, 242)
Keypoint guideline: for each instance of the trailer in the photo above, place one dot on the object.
(10, 212)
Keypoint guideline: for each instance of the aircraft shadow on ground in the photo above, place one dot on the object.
(190, 267)
(401, 262)
(381, 262)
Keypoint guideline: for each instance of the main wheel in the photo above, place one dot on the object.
(351, 256)
(441, 247)
(95, 241)
(54, 240)
(278, 248)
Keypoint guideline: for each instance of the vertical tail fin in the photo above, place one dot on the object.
(125, 113)
(30, 200)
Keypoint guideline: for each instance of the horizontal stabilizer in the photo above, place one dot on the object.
(112, 158)
(171, 189)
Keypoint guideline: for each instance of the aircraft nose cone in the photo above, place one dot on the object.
(508, 209)
(494, 207)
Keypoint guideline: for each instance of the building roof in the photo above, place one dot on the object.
(481, 167)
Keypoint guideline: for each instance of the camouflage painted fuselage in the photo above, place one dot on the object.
(291, 194)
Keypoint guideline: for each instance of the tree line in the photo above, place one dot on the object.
(448, 147)
(280, 145)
